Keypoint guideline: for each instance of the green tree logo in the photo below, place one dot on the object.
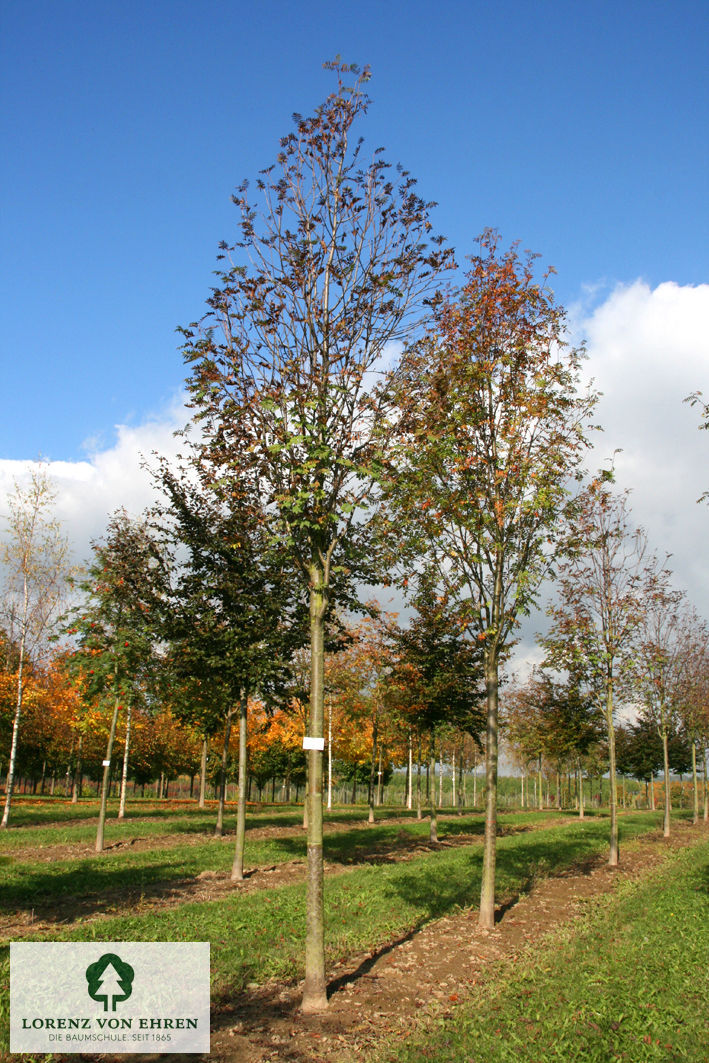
(110, 980)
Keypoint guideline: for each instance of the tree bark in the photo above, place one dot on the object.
(370, 794)
(124, 771)
(329, 756)
(581, 808)
(433, 828)
(695, 785)
(76, 784)
(613, 853)
(410, 772)
(106, 776)
(219, 828)
(487, 891)
(237, 868)
(668, 796)
(10, 782)
(203, 774)
(419, 814)
(315, 990)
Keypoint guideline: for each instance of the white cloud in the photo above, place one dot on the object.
(89, 491)
(649, 349)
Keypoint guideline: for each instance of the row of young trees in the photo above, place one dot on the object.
(356, 422)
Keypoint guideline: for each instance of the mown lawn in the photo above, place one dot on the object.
(260, 935)
(631, 983)
(27, 883)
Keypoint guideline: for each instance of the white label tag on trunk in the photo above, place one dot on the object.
(313, 743)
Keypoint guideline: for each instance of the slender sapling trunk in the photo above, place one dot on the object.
(106, 776)
(237, 868)
(124, 771)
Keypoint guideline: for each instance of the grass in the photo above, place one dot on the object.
(27, 883)
(51, 821)
(631, 985)
(260, 935)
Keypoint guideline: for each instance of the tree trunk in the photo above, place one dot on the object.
(237, 868)
(668, 798)
(540, 782)
(454, 797)
(706, 789)
(10, 783)
(581, 809)
(613, 853)
(124, 772)
(652, 791)
(419, 814)
(106, 777)
(695, 785)
(76, 785)
(219, 828)
(203, 774)
(370, 793)
(410, 774)
(329, 756)
(315, 990)
(487, 891)
(67, 778)
(433, 829)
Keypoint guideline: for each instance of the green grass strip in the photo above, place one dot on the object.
(632, 985)
(28, 883)
(260, 935)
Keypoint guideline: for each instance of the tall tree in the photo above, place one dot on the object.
(115, 625)
(600, 606)
(555, 721)
(661, 663)
(438, 675)
(230, 615)
(495, 423)
(35, 556)
(326, 275)
(693, 707)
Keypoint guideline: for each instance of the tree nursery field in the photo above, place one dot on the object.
(585, 961)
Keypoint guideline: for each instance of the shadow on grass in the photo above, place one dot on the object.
(80, 890)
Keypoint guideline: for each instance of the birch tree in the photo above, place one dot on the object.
(36, 561)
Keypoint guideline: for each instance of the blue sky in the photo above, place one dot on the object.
(578, 129)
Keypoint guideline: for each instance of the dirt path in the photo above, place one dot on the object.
(379, 994)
